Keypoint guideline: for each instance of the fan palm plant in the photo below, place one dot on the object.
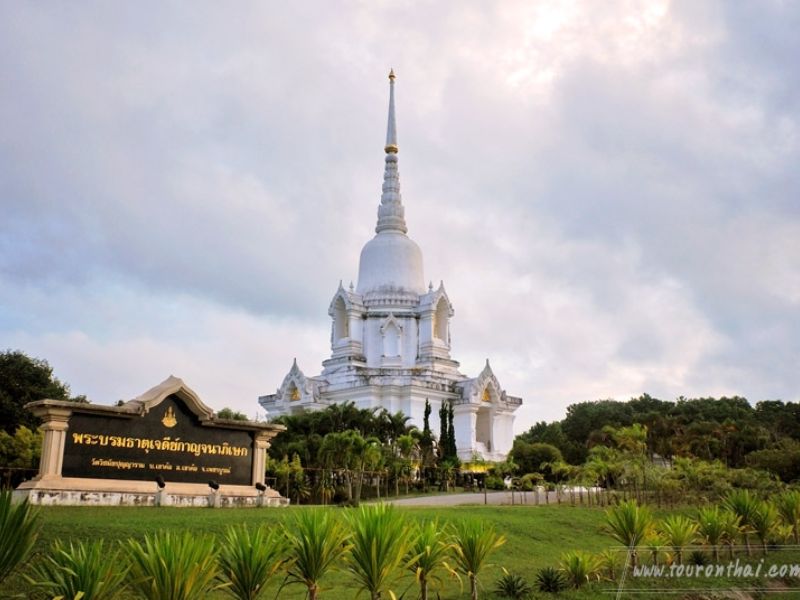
(629, 524)
(248, 559)
(316, 542)
(428, 555)
(764, 521)
(678, 531)
(19, 526)
(474, 542)
(86, 570)
(379, 548)
(172, 566)
(743, 504)
(579, 567)
(711, 527)
(788, 505)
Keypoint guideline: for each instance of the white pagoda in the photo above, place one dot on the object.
(390, 341)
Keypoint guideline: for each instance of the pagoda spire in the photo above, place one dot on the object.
(391, 215)
(391, 127)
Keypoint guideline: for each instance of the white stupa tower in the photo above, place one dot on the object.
(390, 340)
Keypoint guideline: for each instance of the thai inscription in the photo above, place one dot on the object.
(169, 441)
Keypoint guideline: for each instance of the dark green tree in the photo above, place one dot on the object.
(530, 457)
(444, 434)
(24, 379)
(452, 450)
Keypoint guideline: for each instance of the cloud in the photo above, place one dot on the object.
(608, 191)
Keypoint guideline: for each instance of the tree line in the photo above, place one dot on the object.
(332, 455)
(729, 430)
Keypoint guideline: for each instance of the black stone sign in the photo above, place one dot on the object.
(169, 441)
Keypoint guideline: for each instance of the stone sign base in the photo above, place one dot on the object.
(72, 491)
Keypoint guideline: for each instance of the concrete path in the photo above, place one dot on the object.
(495, 498)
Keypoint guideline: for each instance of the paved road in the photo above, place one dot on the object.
(473, 498)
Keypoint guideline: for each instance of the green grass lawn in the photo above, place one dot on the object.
(536, 537)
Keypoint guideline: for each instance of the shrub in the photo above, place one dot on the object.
(511, 585)
(248, 559)
(551, 580)
(379, 546)
(698, 557)
(171, 566)
(89, 569)
(764, 522)
(610, 563)
(629, 524)
(428, 554)
(19, 526)
(493, 482)
(678, 531)
(529, 481)
(579, 567)
(316, 542)
(788, 505)
(744, 505)
(474, 542)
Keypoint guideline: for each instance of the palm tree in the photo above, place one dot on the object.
(373, 461)
(679, 532)
(407, 446)
(743, 505)
(316, 541)
(764, 521)
(788, 505)
(731, 527)
(629, 524)
(474, 542)
(379, 548)
(711, 527)
(248, 559)
(428, 555)
(655, 542)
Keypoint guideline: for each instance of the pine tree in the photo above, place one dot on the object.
(426, 427)
(444, 433)
(452, 451)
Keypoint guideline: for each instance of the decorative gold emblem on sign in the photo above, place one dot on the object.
(169, 419)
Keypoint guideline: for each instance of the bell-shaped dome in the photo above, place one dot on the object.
(391, 260)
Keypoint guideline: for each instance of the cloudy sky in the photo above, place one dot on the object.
(610, 191)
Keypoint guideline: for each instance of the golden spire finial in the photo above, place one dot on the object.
(391, 129)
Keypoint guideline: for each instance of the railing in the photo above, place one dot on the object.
(11, 477)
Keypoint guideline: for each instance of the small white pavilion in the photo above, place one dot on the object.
(390, 341)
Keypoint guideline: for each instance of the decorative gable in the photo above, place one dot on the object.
(296, 387)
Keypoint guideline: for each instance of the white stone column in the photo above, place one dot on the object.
(55, 435)
(465, 418)
(355, 324)
(260, 446)
(425, 329)
(502, 432)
